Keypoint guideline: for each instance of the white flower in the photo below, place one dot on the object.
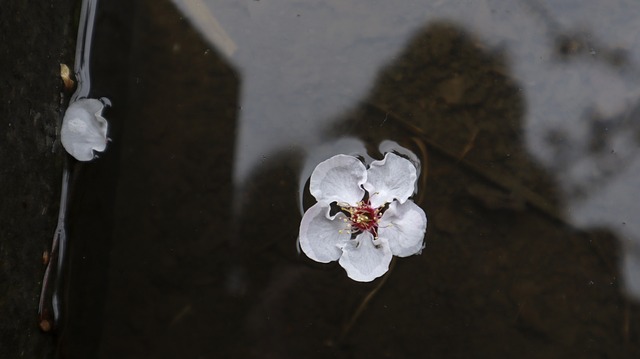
(372, 217)
(84, 130)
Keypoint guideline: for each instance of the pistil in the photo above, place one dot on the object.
(363, 217)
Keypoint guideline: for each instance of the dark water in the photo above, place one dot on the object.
(523, 116)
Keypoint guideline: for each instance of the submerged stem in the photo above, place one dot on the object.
(49, 304)
(365, 301)
(83, 49)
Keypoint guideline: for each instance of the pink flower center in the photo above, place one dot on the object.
(363, 217)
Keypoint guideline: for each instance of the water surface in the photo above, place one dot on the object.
(523, 117)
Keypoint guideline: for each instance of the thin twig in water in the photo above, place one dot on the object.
(470, 144)
(501, 180)
(626, 321)
(48, 294)
(424, 169)
(363, 305)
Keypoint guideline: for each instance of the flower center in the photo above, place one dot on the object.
(363, 217)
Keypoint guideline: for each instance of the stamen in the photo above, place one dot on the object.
(362, 217)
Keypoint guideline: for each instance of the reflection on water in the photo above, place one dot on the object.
(522, 115)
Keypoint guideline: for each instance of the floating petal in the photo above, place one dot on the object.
(339, 179)
(366, 259)
(84, 130)
(403, 226)
(391, 178)
(321, 236)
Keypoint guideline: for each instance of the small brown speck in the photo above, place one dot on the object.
(45, 325)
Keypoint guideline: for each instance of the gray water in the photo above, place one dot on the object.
(523, 115)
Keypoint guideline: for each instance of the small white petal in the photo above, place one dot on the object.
(403, 226)
(391, 178)
(84, 130)
(321, 236)
(366, 259)
(339, 179)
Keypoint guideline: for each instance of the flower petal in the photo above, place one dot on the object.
(84, 130)
(364, 258)
(403, 226)
(391, 178)
(339, 179)
(321, 236)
